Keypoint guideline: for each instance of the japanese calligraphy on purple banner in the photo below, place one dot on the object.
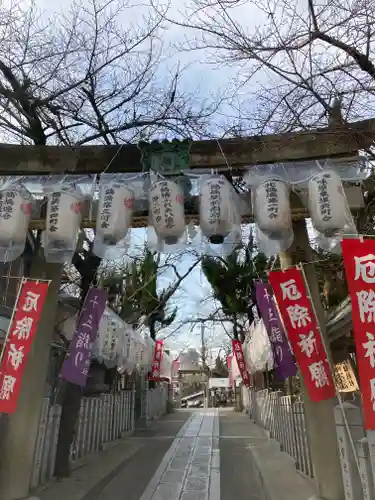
(283, 358)
(77, 363)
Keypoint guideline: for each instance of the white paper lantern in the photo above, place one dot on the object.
(149, 352)
(327, 202)
(272, 208)
(128, 347)
(166, 366)
(115, 212)
(15, 213)
(167, 211)
(110, 342)
(131, 357)
(216, 212)
(63, 219)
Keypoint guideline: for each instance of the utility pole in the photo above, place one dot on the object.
(320, 420)
(203, 347)
(204, 364)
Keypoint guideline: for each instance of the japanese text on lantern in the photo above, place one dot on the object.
(20, 336)
(162, 204)
(238, 353)
(272, 200)
(7, 204)
(156, 362)
(303, 332)
(215, 201)
(54, 211)
(359, 262)
(255, 314)
(324, 201)
(108, 194)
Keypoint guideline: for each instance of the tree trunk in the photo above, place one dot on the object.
(71, 404)
(235, 329)
(152, 328)
(72, 394)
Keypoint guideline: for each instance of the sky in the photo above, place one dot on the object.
(172, 37)
(200, 76)
(205, 80)
(193, 298)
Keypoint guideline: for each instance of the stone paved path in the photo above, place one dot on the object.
(190, 470)
(204, 454)
(239, 477)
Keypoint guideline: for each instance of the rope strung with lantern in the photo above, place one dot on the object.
(328, 208)
(119, 198)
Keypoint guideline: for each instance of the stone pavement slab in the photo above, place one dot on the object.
(190, 462)
(202, 455)
(122, 470)
(239, 476)
(97, 471)
(261, 471)
(281, 480)
(211, 458)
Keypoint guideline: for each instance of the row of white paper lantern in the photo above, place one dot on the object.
(167, 215)
(328, 211)
(118, 344)
(217, 211)
(114, 215)
(216, 223)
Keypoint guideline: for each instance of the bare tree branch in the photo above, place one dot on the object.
(89, 75)
(293, 59)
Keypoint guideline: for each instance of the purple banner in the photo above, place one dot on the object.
(285, 365)
(77, 363)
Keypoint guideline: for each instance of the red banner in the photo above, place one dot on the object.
(359, 261)
(303, 332)
(156, 362)
(238, 353)
(229, 366)
(20, 337)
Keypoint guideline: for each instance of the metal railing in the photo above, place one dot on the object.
(286, 423)
(46, 444)
(157, 400)
(101, 420)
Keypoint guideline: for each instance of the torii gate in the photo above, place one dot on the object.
(343, 141)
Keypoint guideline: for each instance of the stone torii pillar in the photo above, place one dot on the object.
(21, 428)
(320, 417)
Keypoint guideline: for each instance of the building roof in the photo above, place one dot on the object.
(340, 320)
(193, 396)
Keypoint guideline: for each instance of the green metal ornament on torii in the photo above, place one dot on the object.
(166, 157)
